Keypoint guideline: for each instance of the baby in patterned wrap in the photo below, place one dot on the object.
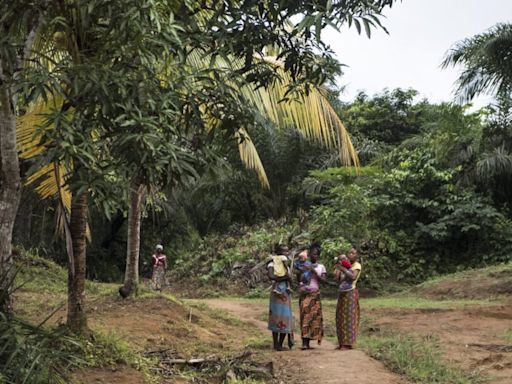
(343, 261)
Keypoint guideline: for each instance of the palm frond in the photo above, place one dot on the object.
(28, 131)
(497, 162)
(310, 113)
(49, 180)
(250, 157)
(487, 62)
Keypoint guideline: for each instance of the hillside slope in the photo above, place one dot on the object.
(132, 337)
(485, 283)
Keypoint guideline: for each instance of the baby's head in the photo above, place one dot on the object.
(343, 260)
(281, 249)
(303, 255)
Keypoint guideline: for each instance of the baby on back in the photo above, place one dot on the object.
(281, 269)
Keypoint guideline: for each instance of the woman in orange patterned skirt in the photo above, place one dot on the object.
(310, 306)
(347, 309)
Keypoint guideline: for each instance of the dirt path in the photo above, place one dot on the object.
(328, 365)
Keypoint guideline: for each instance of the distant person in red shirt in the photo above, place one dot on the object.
(159, 261)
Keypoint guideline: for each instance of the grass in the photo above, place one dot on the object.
(215, 313)
(109, 350)
(394, 301)
(469, 273)
(257, 293)
(260, 342)
(507, 335)
(38, 274)
(411, 302)
(406, 303)
(417, 358)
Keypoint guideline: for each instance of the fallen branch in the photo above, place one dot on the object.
(493, 347)
(157, 352)
(208, 360)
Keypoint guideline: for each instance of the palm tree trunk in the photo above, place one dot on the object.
(77, 320)
(10, 191)
(131, 277)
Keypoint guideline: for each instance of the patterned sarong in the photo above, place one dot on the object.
(280, 317)
(158, 278)
(347, 317)
(311, 319)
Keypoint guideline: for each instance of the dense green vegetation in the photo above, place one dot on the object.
(433, 203)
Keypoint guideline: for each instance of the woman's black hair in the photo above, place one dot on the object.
(279, 248)
(315, 248)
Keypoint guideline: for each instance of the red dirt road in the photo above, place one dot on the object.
(325, 364)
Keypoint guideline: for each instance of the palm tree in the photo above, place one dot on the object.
(487, 62)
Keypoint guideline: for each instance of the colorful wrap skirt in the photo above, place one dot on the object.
(311, 319)
(347, 317)
(158, 278)
(280, 316)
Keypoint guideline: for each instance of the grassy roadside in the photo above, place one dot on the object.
(416, 357)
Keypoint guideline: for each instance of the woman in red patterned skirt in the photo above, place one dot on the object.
(347, 309)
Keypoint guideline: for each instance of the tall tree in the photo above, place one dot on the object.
(106, 50)
(311, 115)
(487, 62)
(486, 59)
(19, 25)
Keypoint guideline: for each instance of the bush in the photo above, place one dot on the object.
(33, 354)
(410, 222)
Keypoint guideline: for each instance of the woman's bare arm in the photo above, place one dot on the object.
(352, 275)
(323, 278)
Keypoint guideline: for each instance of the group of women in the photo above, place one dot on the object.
(310, 308)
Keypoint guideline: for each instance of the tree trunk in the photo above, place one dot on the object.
(131, 277)
(10, 180)
(23, 224)
(77, 320)
(10, 190)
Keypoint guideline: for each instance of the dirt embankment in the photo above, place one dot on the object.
(487, 283)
